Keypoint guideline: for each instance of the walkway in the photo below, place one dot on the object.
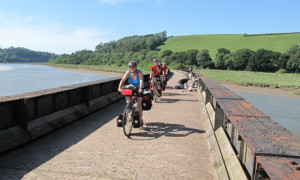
(171, 145)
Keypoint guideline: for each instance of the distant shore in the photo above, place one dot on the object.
(249, 89)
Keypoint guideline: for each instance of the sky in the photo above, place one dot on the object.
(67, 26)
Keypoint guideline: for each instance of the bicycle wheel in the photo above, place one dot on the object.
(155, 93)
(127, 120)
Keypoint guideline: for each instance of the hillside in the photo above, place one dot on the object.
(20, 54)
(232, 42)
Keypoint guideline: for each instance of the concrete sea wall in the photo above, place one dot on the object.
(251, 144)
(26, 117)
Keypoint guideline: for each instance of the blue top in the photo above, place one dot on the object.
(135, 82)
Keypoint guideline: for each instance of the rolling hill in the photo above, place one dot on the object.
(277, 42)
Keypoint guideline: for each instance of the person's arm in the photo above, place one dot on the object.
(141, 77)
(150, 72)
(126, 75)
(187, 84)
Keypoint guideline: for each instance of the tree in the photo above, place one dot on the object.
(166, 53)
(191, 57)
(293, 49)
(293, 65)
(223, 50)
(240, 58)
(220, 61)
(204, 60)
(263, 60)
(282, 62)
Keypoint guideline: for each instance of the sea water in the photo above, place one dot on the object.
(284, 110)
(22, 78)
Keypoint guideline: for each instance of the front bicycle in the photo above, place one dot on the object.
(130, 113)
(156, 92)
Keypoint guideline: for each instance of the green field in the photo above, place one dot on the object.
(232, 42)
(273, 80)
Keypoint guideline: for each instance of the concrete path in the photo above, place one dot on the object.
(171, 145)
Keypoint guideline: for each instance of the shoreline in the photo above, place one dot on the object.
(231, 86)
(89, 71)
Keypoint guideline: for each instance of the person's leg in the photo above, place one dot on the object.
(152, 83)
(181, 86)
(139, 106)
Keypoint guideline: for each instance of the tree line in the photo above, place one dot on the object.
(20, 54)
(145, 48)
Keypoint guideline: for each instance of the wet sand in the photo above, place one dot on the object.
(90, 71)
(249, 89)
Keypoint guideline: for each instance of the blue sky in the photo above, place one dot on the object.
(66, 26)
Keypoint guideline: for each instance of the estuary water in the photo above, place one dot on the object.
(21, 78)
(284, 110)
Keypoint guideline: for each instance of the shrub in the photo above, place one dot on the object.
(281, 71)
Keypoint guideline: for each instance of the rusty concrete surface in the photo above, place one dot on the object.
(172, 144)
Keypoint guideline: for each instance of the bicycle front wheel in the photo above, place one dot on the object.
(127, 120)
(155, 93)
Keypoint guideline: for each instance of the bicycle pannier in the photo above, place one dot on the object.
(127, 92)
(119, 121)
(146, 102)
(136, 121)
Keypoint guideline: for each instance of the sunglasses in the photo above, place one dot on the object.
(132, 66)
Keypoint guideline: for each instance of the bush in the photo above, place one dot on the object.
(281, 71)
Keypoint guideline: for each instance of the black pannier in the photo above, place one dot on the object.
(147, 101)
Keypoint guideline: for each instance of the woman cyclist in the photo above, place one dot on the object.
(135, 78)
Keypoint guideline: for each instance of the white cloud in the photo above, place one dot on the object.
(42, 35)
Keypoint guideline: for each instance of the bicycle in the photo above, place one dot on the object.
(130, 113)
(163, 82)
(156, 91)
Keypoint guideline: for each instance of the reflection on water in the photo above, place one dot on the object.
(22, 78)
(284, 110)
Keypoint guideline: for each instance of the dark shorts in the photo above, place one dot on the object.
(137, 93)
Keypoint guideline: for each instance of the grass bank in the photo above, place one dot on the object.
(285, 81)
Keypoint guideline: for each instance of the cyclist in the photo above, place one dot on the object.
(165, 68)
(154, 71)
(135, 78)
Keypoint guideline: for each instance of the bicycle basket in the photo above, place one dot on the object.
(127, 92)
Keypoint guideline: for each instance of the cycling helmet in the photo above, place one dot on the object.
(159, 64)
(164, 64)
(132, 64)
(155, 60)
